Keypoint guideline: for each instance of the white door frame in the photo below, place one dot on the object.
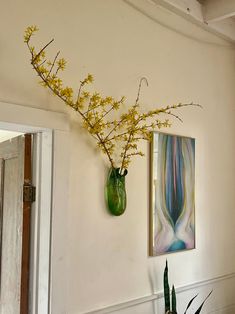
(51, 129)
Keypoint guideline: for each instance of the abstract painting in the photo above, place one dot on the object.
(172, 216)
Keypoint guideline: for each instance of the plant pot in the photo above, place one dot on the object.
(115, 192)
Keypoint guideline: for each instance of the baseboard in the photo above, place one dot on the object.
(230, 309)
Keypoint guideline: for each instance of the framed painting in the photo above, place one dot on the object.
(172, 213)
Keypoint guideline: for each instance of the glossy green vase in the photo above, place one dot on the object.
(115, 192)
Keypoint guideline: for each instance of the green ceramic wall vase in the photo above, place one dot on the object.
(115, 192)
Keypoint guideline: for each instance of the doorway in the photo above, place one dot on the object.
(18, 231)
(48, 241)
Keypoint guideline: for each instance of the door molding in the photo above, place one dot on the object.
(50, 129)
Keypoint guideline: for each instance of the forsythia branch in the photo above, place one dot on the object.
(110, 135)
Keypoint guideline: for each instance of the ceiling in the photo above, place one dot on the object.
(216, 16)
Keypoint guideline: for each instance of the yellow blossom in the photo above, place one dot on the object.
(61, 63)
(67, 92)
(30, 30)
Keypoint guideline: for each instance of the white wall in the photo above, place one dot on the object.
(105, 258)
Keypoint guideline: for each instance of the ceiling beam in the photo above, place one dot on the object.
(195, 12)
(217, 10)
(190, 10)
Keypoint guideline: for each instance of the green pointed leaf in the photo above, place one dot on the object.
(200, 307)
(166, 289)
(173, 302)
(190, 302)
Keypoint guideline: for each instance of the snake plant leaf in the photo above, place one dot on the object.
(200, 307)
(166, 289)
(173, 300)
(190, 302)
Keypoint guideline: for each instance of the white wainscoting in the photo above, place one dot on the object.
(222, 300)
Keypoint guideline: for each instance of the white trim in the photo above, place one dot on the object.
(33, 298)
(159, 295)
(15, 118)
(40, 257)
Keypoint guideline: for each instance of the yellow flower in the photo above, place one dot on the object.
(85, 94)
(90, 78)
(30, 30)
(67, 92)
(87, 80)
(61, 64)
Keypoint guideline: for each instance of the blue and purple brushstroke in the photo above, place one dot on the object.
(174, 183)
